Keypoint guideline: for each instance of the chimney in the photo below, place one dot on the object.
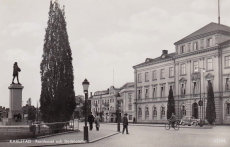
(164, 52)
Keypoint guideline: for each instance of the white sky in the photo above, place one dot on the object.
(103, 35)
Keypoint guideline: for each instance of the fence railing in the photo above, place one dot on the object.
(56, 127)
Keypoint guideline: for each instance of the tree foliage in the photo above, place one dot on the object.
(57, 97)
(171, 104)
(210, 109)
(31, 113)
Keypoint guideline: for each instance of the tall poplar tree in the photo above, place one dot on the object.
(171, 104)
(210, 109)
(57, 97)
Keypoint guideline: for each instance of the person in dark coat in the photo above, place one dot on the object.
(91, 120)
(15, 72)
(125, 124)
(173, 119)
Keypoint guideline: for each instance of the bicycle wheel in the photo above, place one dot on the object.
(176, 127)
(167, 126)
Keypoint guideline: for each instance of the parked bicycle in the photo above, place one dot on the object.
(169, 125)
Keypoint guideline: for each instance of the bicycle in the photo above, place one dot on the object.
(176, 125)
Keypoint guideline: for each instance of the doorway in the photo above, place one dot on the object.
(195, 110)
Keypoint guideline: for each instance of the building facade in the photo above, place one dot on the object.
(201, 57)
(112, 101)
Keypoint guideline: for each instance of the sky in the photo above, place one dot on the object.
(107, 38)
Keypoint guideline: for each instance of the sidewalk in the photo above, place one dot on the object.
(163, 125)
(70, 138)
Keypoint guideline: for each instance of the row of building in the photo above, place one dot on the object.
(200, 57)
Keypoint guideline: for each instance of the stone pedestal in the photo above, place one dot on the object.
(15, 104)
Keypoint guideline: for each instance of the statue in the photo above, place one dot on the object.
(15, 72)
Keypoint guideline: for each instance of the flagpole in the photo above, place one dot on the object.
(218, 11)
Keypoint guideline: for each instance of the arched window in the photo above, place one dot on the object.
(111, 108)
(154, 111)
(139, 113)
(146, 112)
(183, 111)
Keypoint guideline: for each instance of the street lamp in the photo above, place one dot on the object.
(118, 113)
(200, 102)
(85, 84)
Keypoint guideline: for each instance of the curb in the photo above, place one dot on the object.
(163, 125)
(95, 140)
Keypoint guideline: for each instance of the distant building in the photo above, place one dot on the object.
(109, 102)
(208, 48)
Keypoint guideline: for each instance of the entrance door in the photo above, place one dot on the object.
(195, 110)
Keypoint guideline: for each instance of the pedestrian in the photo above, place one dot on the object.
(125, 124)
(90, 120)
(134, 120)
(97, 122)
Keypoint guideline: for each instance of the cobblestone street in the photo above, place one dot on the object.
(140, 135)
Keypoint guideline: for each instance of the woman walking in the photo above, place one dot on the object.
(97, 122)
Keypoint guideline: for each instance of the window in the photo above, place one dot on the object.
(162, 74)
(130, 117)
(227, 84)
(195, 88)
(139, 78)
(162, 110)
(139, 93)
(146, 112)
(130, 97)
(183, 111)
(130, 106)
(171, 72)
(195, 66)
(139, 113)
(162, 91)
(227, 61)
(146, 76)
(146, 93)
(195, 46)
(209, 42)
(154, 75)
(183, 92)
(182, 49)
(154, 111)
(154, 92)
(183, 69)
(209, 64)
(228, 108)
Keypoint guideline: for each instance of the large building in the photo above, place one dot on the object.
(200, 57)
(107, 102)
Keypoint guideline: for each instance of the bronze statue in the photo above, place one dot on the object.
(15, 72)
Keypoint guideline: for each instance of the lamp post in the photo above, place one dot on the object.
(200, 102)
(85, 84)
(118, 113)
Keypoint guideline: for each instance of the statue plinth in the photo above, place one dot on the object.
(15, 103)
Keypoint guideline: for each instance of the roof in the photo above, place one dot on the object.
(154, 60)
(225, 43)
(208, 29)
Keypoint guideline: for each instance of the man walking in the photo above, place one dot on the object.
(125, 124)
(91, 120)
